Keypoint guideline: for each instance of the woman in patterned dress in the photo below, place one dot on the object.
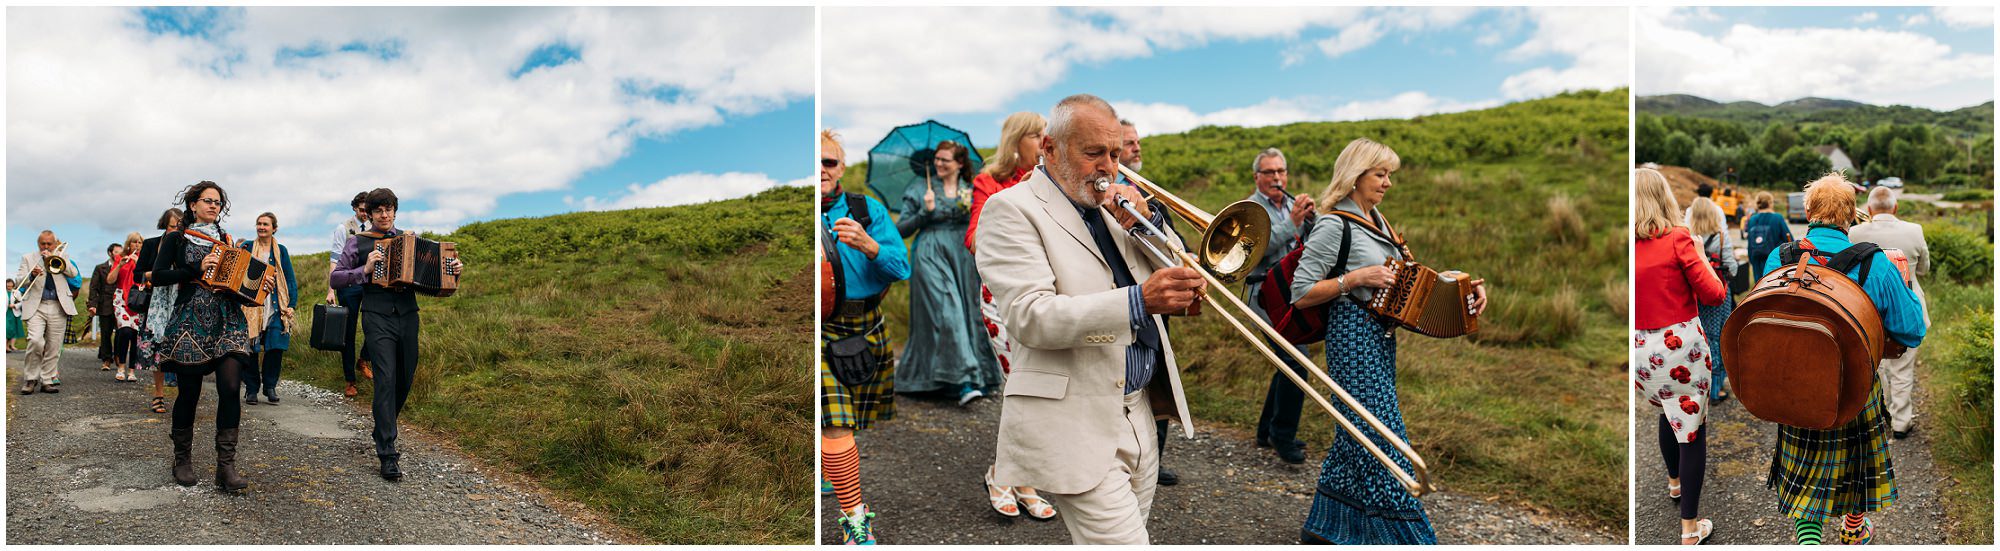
(201, 333)
(123, 352)
(1710, 229)
(1670, 351)
(1842, 474)
(1358, 501)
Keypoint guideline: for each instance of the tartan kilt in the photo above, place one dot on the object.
(857, 407)
(1821, 474)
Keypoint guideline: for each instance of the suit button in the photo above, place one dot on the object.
(1121, 384)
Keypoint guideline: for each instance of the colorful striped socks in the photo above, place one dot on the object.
(1808, 531)
(842, 464)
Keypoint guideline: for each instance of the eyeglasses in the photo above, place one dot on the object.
(829, 163)
(210, 201)
(1271, 172)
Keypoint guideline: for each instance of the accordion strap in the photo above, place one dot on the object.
(205, 237)
(1384, 230)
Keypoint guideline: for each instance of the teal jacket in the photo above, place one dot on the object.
(1902, 315)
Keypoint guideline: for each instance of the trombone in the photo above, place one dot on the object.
(1232, 241)
(57, 264)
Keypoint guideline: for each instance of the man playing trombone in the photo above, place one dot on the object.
(1084, 299)
(49, 282)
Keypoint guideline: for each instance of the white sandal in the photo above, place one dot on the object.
(1707, 529)
(1674, 492)
(1038, 507)
(1005, 498)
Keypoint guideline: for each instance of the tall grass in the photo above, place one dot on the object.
(651, 364)
(1529, 196)
(1957, 374)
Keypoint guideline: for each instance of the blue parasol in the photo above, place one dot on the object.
(903, 159)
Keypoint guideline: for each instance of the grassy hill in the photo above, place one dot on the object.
(649, 364)
(1530, 196)
(1977, 119)
(1774, 146)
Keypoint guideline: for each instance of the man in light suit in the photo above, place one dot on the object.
(47, 302)
(1899, 375)
(1083, 299)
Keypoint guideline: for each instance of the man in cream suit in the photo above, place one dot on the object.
(47, 303)
(1899, 375)
(1083, 300)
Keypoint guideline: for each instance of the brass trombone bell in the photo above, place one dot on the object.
(1232, 241)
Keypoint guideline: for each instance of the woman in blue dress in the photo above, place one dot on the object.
(1358, 501)
(272, 323)
(948, 348)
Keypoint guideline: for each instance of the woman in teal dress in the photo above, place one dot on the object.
(14, 328)
(948, 348)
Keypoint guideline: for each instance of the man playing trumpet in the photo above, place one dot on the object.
(1084, 299)
(49, 282)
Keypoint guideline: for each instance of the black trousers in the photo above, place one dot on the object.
(1279, 423)
(125, 347)
(107, 325)
(1688, 462)
(228, 403)
(392, 348)
(351, 301)
(262, 374)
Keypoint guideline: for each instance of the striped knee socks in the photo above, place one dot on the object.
(842, 463)
(1808, 531)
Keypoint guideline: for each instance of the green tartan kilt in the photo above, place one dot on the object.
(857, 407)
(1822, 474)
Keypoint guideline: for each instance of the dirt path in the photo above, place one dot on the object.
(89, 465)
(1746, 512)
(922, 473)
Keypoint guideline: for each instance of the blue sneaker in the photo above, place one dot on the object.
(825, 488)
(856, 529)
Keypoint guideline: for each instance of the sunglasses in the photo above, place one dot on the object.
(829, 163)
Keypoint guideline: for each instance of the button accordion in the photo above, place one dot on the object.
(414, 263)
(1426, 301)
(237, 276)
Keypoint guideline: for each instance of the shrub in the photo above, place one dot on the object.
(1958, 254)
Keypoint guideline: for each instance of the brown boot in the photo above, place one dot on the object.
(226, 477)
(366, 373)
(351, 391)
(183, 448)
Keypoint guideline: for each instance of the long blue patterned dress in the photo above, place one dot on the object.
(948, 346)
(1358, 501)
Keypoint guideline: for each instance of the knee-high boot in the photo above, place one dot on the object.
(183, 449)
(226, 476)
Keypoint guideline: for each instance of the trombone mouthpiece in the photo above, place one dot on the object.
(1101, 184)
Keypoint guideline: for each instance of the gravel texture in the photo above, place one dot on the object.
(90, 465)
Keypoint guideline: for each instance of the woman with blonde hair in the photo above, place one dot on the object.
(1670, 350)
(1020, 151)
(1358, 500)
(1710, 227)
(1843, 473)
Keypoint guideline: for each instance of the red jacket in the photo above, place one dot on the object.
(1669, 275)
(984, 186)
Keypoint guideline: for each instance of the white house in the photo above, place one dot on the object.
(1837, 157)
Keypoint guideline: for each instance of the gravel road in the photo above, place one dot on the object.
(89, 465)
(922, 474)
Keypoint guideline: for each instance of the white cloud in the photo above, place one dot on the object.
(1771, 65)
(886, 67)
(1964, 17)
(106, 121)
(1867, 17)
(685, 189)
(1915, 19)
(1594, 40)
(1167, 118)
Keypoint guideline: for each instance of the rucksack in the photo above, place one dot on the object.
(1304, 325)
(1801, 349)
(833, 282)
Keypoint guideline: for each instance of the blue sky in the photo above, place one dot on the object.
(1938, 58)
(468, 113)
(1233, 66)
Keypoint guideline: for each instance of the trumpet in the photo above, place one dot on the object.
(1232, 241)
(57, 264)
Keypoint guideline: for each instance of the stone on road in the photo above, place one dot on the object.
(89, 465)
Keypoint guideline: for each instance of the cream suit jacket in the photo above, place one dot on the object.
(31, 287)
(1063, 413)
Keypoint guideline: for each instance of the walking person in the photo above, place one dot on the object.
(99, 303)
(349, 297)
(152, 309)
(203, 333)
(1670, 350)
(124, 346)
(15, 330)
(47, 304)
(1278, 424)
(947, 347)
(1899, 375)
(271, 324)
(1707, 225)
(1763, 232)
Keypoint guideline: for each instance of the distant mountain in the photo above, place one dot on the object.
(1977, 119)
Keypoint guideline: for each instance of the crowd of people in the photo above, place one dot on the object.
(1034, 284)
(154, 315)
(1682, 259)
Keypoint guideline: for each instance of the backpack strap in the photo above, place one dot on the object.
(832, 256)
(1862, 254)
(857, 208)
(1340, 266)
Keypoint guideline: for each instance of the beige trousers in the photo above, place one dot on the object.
(46, 327)
(1899, 383)
(1115, 512)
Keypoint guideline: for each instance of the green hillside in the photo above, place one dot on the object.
(1772, 146)
(1529, 196)
(649, 363)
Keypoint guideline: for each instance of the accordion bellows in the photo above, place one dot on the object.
(415, 263)
(237, 276)
(1425, 301)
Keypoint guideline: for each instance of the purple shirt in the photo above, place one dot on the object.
(353, 267)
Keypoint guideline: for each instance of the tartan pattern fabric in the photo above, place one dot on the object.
(842, 406)
(1823, 474)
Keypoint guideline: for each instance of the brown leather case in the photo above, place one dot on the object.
(1802, 347)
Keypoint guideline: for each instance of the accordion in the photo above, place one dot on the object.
(1423, 300)
(415, 263)
(237, 276)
